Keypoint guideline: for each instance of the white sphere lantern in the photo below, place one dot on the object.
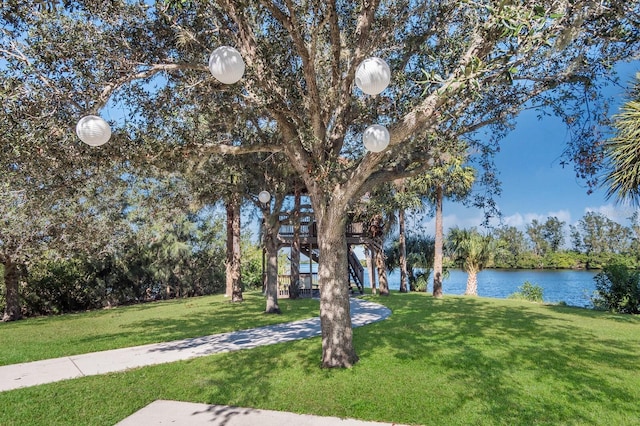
(376, 138)
(93, 130)
(373, 76)
(264, 197)
(226, 64)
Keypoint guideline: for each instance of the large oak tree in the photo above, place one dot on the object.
(460, 69)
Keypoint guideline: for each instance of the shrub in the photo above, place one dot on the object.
(528, 291)
(252, 267)
(421, 282)
(617, 289)
(54, 287)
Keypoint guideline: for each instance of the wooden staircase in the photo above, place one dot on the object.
(356, 270)
(308, 236)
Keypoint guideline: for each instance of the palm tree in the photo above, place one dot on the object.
(471, 250)
(449, 178)
(622, 151)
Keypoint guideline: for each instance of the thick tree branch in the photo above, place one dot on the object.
(246, 40)
(292, 25)
(342, 106)
(336, 46)
(236, 149)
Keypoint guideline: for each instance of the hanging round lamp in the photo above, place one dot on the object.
(376, 138)
(226, 64)
(93, 130)
(373, 76)
(264, 197)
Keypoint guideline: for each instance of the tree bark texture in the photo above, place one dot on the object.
(335, 311)
(439, 242)
(472, 283)
(270, 239)
(402, 246)
(371, 268)
(233, 261)
(382, 271)
(294, 287)
(12, 311)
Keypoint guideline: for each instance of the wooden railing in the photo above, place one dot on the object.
(310, 229)
(356, 229)
(308, 286)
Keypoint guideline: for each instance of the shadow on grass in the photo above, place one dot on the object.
(222, 317)
(595, 314)
(534, 362)
(241, 378)
(452, 361)
(225, 317)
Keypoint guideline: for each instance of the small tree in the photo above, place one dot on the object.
(618, 289)
(471, 250)
(513, 246)
(528, 291)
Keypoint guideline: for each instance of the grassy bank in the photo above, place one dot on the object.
(451, 361)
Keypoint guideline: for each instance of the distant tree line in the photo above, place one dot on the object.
(594, 241)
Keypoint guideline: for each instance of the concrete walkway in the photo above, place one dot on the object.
(189, 414)
(184, 413)
(52, 370)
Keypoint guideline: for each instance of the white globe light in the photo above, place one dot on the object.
(264, 197)
(373, 76)
(226, 65)
(93, 130)
(376, 138)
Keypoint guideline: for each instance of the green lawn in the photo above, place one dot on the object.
(438, 362)
(51, 337)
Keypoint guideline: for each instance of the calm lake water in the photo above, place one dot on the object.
(572, 287)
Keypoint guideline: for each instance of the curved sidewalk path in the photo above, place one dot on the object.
(52, 370)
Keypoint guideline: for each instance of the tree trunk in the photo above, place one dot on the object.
(229, 247)
(233, 261)
(382, 271)
(294, 287)
(12, 311)
(402, 245)
(333, 274)
(371, 268)
(270, 240)
(472, 283)
(439, 242)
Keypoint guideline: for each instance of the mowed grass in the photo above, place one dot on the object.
(454, 361)
(51, 337)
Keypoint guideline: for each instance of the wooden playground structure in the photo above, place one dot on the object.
(301, 228)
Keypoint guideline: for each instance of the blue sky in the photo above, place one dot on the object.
(534, 183)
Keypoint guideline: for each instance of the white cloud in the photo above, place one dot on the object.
(562, 215)
(516, 220)
(428, 224)
(521, 220)
(450, 221)
(474, 218)
(618, 213)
